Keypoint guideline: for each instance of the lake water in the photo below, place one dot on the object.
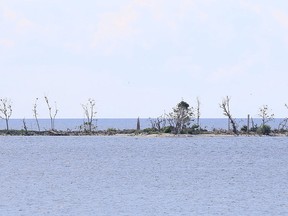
(103, 124)
(124, 176)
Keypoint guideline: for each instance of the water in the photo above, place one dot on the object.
(143, 176)
(104, 124)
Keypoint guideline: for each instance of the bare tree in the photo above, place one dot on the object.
(5, 111)
(225, 106)
(198, 111)
(52, 114)
(89, 113)
(35, 113)
(158, 123)
(265, 115)
(283, 124)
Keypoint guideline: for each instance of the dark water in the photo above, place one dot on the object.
(121, 123)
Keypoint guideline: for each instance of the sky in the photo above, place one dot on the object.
(142, 57)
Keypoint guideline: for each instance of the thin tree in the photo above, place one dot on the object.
(283, 124)
(35, 113)
(265, 115)
(5, 111)
(225, 106)
(198, 111)
(138, 124)
(52, 114)
(89, 113)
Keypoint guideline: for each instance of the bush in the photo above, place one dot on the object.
(264, 129)
(244, 128)
(167, 129)
(149, 130)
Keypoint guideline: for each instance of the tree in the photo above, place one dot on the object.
(5, 111)
(89, 113)
(283, 124)
(138, 127)
(158, 123)
(265, 115)
(180, 117)
(35, 113)
(198, 111)
(225, 106)
(52, 114)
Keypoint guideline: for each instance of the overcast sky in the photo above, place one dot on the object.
(141, 57)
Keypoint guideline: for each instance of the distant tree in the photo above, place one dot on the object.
(25, 126)
(198, 111)
(89, 113)
(283, 124)
(5, 111)
(225, 106)
(52, 114)
(265, 115)
(158, 123)
(138, 124)
(181, 117)
(35, 113)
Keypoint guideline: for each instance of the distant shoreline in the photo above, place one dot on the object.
(134, 133)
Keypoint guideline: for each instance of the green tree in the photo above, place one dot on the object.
(180, 117)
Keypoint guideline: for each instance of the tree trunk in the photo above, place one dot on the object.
(7, 125)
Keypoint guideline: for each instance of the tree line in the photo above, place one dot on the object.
(88, 110)
(182, 119)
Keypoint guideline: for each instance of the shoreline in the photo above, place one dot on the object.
(135, 133)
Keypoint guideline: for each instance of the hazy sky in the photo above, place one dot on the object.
(141, 57)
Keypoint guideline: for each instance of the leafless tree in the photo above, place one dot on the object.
(89, 113)
(5, 111)
(52, 114)
(198, 111)
(25, 126)
(283, 125)
(265, 115)
(158, 123)
(225, 106)
(35, 113)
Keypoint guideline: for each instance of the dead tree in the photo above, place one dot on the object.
(5, 111)
(35, 113)
(89, 113)
(52, 114)
(158, 123)
(283, 124)
(198, 112)
(225, 106)
(265, 115)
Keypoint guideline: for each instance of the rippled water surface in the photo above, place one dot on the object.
(143, 176)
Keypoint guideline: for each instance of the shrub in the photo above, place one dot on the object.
(264, 129)
(244, 128)
(167, 129)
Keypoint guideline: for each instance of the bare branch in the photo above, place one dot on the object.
(225, 106)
